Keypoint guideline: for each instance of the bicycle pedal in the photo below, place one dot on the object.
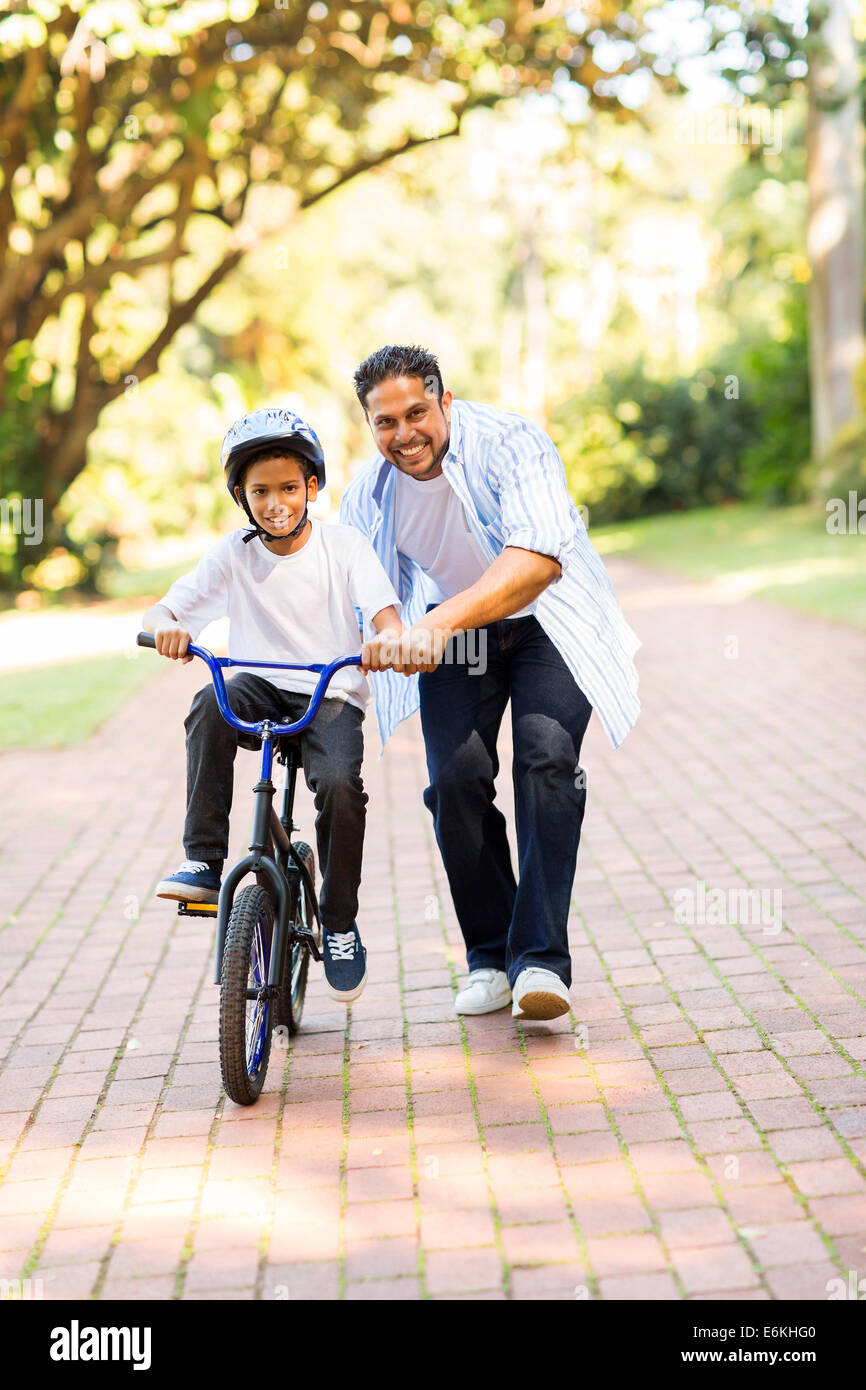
(187, 909)
(306, 938)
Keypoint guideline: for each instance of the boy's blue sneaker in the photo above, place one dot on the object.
(345, 961)
(194, 882)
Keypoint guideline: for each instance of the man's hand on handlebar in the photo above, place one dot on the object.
(173, 642)
(413, 650)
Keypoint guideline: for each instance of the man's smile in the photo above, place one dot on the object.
(412, 451)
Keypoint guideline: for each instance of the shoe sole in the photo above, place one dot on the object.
(350, 995)
(541, 1003)
(500, 1003)
(179, 892)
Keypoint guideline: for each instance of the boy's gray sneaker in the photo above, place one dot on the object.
(194, 882)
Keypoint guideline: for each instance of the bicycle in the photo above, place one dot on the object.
(265, 935)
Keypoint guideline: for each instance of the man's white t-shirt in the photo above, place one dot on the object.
(291, 608)
(431, 529)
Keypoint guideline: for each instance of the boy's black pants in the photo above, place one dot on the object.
(332, 749)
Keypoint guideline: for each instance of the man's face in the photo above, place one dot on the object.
(410, 426)
(277, 493)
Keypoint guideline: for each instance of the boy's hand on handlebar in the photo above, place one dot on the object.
(173, 642)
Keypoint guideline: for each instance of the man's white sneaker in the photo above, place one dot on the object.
(485, 991)
(540, 994)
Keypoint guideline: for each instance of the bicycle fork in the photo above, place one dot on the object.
(267, 826)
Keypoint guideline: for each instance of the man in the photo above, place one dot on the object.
(468, 509)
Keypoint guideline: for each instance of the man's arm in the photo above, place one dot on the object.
(513, 581)
(538, 529)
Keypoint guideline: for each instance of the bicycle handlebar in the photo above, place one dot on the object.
(216, 664)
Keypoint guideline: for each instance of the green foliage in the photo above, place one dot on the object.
(775, 379)
(21, 458)
(142, 147)
(843, 468)
(25, 405)
(646, 440)
(635, 445)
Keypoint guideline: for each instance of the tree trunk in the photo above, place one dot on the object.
(535, 365)
(834, 143)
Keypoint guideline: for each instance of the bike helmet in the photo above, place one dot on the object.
(272, 425)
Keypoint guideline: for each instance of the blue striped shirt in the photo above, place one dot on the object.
(509, 477)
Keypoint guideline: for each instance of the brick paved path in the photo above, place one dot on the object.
(698, 1130)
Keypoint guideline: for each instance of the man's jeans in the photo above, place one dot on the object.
(332, 749)
(506, 924)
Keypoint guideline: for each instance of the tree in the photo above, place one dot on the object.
(135, 145)
(827, 55)
(140, 142)
(834, 143)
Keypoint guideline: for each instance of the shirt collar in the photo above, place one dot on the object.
(381, 480)
(455, 445)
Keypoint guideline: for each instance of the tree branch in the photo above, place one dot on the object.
(181, 312)
(69, 442)
(363, 166)
(77, 222)
(25, 97)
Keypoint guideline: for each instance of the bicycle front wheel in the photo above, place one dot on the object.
(245, 1012)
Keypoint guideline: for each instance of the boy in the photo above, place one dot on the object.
(290, 586)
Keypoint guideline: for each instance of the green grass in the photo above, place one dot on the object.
(144, 583)
(62, 704)
(784, 554)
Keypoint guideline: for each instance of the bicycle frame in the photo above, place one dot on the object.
(266, 824)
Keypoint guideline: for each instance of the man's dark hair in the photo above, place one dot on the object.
(398, 361)
(271, 451)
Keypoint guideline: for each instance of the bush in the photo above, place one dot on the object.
(634, 445)
(843, 467)
(775, 377)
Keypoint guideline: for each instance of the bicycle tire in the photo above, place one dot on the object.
(298, 958)
(244, 1024)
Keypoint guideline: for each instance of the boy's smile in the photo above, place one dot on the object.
(277, 493)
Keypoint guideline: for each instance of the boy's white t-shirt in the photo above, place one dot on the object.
(292, 608)
(431, 529)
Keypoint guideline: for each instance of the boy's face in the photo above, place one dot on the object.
(410, 425)
(277, 493)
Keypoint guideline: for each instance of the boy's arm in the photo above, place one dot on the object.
(389, 627)
(387, 620)
(191, 603)
(171, 639)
